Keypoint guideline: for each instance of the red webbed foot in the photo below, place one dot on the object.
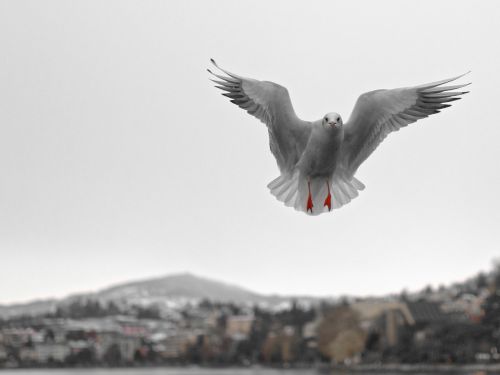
(309, 199)
(328, 201)
(310, 203)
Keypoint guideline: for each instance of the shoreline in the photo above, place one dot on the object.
(475, 369)
(415, 368)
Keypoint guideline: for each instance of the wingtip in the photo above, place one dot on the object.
(214, 63)
(460, 76)
(463, 75)
(445, 81)
(218, 67)
(235, 76)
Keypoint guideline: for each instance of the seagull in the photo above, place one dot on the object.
(318, 159)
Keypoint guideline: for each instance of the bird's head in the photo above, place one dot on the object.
(332, 120)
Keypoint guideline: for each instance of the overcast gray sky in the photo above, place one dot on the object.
(119, 160)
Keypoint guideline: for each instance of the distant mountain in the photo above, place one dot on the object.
(28, 308)
(180, 286)
(168, 292)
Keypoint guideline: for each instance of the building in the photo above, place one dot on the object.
(238, 327)
(48, 352)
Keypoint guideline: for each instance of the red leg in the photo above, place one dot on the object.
(309, 198)
(328, 200)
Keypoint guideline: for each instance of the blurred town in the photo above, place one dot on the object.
(456, 324)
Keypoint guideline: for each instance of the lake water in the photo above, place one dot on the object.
(159, 371)
(205, 371)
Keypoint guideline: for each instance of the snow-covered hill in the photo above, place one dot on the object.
(168, 292)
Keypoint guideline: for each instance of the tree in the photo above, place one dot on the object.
(49, 335)
(148, 312)
(491, 306)
(271, 348)
(428, 290)
(339, 334)
(113, 355)
(347, 344)
(481, 280)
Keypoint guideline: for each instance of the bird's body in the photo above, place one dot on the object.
(318, 159)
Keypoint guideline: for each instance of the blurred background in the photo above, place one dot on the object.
(121, 162)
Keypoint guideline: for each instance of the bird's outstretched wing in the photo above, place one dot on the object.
(379, 112)
(271, 104)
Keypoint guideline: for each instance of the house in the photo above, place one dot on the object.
(310, 330)
(386, 316)
(104, 340)
(28, 354)
(467, 304)
(238, 327)
(47, 352)
(390, 319)
(128, 346)
(370, 310)
(17, 337)
(3, 353)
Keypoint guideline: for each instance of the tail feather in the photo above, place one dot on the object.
(284, 190)
(276, 183)
(293, 190)
(345, 192)
(342, 199)
(291, 197)
(349, 190)
(358, 185)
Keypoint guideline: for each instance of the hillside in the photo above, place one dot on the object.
(168, 292)
(180, 286)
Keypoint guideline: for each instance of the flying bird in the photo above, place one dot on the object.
(318, 159)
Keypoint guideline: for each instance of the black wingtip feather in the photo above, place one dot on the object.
(233, 96)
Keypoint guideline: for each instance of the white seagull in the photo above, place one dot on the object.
(318, 159)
